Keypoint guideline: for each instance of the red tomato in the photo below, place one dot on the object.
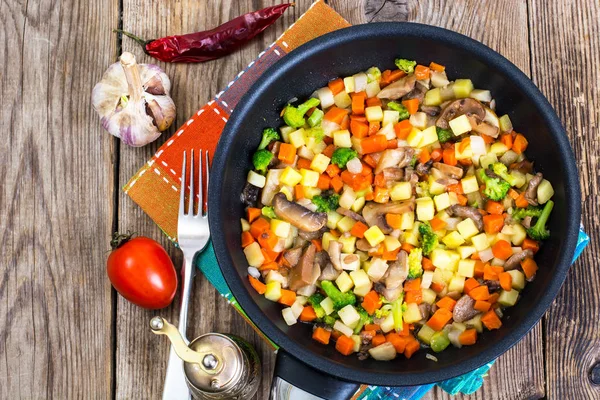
(141, 271)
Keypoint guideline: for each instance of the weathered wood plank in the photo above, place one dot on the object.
(566, 52)
(55, 307)
(141, 356)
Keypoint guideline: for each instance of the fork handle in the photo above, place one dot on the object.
(175, 387)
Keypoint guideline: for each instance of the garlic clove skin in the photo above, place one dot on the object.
(133, 101)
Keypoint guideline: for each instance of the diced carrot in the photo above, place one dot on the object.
(436, 67)
(437, 286)
(287, 153)
(308, 314)
(468, 337)
(412, 105)
(422, 72)
(475, 256)
(391, 255)
(268, 255)
(427, 264)
(247, 239)
(328, 140)
(529, 267)
(412, 285)
(398, 342)
(332, 170)
(253, 213)
(358, 230)
(323, 182)
(317, 243)
(436, 154)
(259, 226)
(358, 103)
(455, 188)
(493, 298)
(268, 265)
(367, 170)
(519, 144)
(470, 284)
(407, 247)
(494, 207)
(437, 224)
(507, 140)
(439, 319)
(479, 268)
(335, 114)
(374, 128)
(502, 249)
(267, 239)
(359, 129)
(424, 156)
(381, 195)
(490, 320)
(260, 287)
(369, 161)
(463, 144)
(372, 327)
(377, 340)
(411, 348)
(379, 180)
(336, 183)
(449, 156)
(303, 163)
(374, 101)
(335, 335)
(377, 252)
(403, 129)
(446, 302)
(385, 78)
(414, 296)
(321, 335)
(482, 305)
(479, 293)
(299, 192)
(521, 202)
(530, 244)
(392, 144)
(359, 118)
(373, 144)
(462, 199)
(489, 274)
(329, 150)
(345, 345)
(372, 302)
(405, 330)
(336, 85)
(493, 223)
(394, 220)
(345, 122)
(487, 139)
(505, 281)
(288, 297)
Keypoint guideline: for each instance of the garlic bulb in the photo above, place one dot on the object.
(133, 101)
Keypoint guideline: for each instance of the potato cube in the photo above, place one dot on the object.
(469, 184)
(467, 228)
(280, 228)
(358, 204)
(428, 295)
(460, 125)
(374, 114)
(342, 100)
(305, 152)
(390, 117)
(498, 148)
(505, 123)
(508, 299)
(333, 218)
(429, 136)
(374, 235)
(425, 209)
(519, 234)
(407, 221)
(349, 84)
(544, 191)
(388, 131)
(453, 240)
(372, 89)
(345, 224)
(285, 132)
(435, 187)
(360, 278)
(518, 279)
(414, 137)
(401, 191)
(290, 177)
(466, 268)
(342, 328)
(349, 316)
(425, 334)
(327, 238)
(480, 242)
(347, 198)
(412, 313)
(376, 269)
(348, 244)
(453, 198)
(467, 152)
(457, 284)
(433, 97)
(257, 180)
(357, 342)
(442, 201)
(388, 323)
(344, 282)
(391, 243)
(327, 305)
(462, 88)
(273, 291)
(342, 138)
(419, 120)
(439, 79)
(487, 160)
(309, 178)
(466, 251)
(363, 290)
(320, 163)
(288, 316)
(296, 138)
(350, 262)
(253, 255)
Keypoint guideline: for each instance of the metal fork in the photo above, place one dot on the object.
(193, 235)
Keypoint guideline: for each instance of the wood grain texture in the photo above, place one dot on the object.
(566, 53)
(142, 356)
(55, 300)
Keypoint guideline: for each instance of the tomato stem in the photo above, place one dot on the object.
(119, 239)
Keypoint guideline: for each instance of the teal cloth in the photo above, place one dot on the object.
(466, 384)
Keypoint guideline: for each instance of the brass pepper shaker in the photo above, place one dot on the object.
(216, 366)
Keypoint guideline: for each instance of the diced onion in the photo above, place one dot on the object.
(360, 82)
(451, 223)
(325, 95)
(307, 291)
(497, 261)
(426, 279)
(486, 255)
(253, 272)
(354, 166)
(453, 335)
(288, 316)
(256, 179)
(431, 357)
(329, 127)
(478, 146)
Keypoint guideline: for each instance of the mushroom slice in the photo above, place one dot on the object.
(349, 213)
(397, 271)
(515, 260)
(395, 90)
(301, 217)
(469, 107)
(531, 192)
(393, 174)
(335, 253)
(464, 309)
(449, 170)
(408, 156)
(467, 212)
(389, 158)
(292, 256)
(302, 274)
(391, 294)
(329, 273)
(374, 213)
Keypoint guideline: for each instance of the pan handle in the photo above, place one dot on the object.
(295, 380)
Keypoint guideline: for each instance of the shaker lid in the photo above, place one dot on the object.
(222, 363)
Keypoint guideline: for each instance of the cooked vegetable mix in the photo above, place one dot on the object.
(394, 210)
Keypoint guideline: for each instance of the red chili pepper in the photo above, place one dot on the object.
(212, 44)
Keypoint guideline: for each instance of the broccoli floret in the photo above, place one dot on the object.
(428, 238)
(315, 301)
(294, 116)
(501, 170)
(404, 114)
(316, 133)
(443, 135)
(330, 319)
(423, 189)
(415, 269)
(520, 213)
(405, 65)
(268, 211)
(315, 118)
(342, 155)
(413, 162)
(261, 160)
(340, 300)
(326, 203)
(365, 318)
(495, 188)
(383, 311)
(373, 74)
(268, 135)
(539, 230)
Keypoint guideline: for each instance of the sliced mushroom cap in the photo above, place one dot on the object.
(302, 274)
(524, 167)
(467, 106)
(467, 212)
(409, 152)
(301, 217)
(449, 170)
(363, 245)
(312, 235)
(349, 213)
(397, 271)
(391, 294)
(393, 174)
(423, 169)
(464, 309)
(399, 88)
(389, 158)
(418, 92)
(292, 256)
(374, 213)
(335, 254)
(515, 260)
(531, 192)
(425, 309)
(432, 111)
(329, 273)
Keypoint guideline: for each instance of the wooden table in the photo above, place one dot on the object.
(65, 334)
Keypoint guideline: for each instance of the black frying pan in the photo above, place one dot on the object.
(343, 53)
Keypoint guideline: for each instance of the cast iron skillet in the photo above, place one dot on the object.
(343, 53)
